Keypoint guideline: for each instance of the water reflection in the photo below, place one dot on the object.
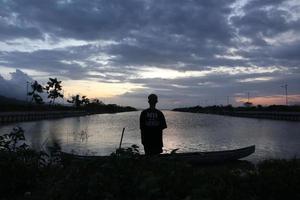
(100, 134)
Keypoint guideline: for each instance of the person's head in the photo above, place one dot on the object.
(152, 99)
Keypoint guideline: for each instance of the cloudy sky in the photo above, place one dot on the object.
(188, 52)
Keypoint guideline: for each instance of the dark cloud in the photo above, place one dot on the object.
(16, 86)
(120, 38)
(18, 32)
(290, 52)
(45, 61)
(114, 18)
(265, 19)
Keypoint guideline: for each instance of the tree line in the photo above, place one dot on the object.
(229, 108)
(53, 88)
(54, 91)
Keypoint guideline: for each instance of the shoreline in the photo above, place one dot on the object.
(12, 117)
(284, 116)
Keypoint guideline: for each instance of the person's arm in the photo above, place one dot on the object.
(142, 121)
(163, 121)
(142, 127)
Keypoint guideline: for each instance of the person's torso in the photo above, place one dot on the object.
(153, 118)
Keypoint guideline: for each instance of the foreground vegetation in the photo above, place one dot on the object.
(27, 174)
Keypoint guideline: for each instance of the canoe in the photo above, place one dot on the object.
(192, 157)
(215, 156)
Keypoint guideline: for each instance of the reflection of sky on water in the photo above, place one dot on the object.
(200, 132)
(100, 134)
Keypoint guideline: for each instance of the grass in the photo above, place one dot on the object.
(26, 174)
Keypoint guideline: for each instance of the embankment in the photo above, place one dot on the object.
(10, 117)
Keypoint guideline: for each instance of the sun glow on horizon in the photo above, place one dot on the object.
(94, 89)
(272, 100)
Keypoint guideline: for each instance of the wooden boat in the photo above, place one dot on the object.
(192, 157)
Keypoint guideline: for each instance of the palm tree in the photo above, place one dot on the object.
(54, 89)
(36, 88)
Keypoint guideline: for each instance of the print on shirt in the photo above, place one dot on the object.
(152, 119)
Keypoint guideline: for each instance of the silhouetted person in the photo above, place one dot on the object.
(152, 123)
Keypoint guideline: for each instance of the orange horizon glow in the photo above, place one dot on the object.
(272, 100)
(93, 89)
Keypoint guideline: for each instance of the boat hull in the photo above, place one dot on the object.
(192, 157)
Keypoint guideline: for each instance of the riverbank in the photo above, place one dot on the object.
(20, 113)
(11, 117)
(288, 113)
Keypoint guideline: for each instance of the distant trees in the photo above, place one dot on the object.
(97, 102)
(248, 104)
(53, 88)
(85, 100)
(54, 91)
(77, 100)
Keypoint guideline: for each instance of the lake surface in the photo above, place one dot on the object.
(100, 134)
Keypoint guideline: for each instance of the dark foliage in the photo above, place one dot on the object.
(36, 90)
(78, 101)
(53, 89)
(20, 167)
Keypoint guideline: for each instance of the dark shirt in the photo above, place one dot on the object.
(152, 122)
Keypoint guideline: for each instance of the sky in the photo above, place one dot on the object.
(187, 52)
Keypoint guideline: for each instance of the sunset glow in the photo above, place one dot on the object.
(94, 89)
(272, 100)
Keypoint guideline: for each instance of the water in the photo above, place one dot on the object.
(100, 134)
